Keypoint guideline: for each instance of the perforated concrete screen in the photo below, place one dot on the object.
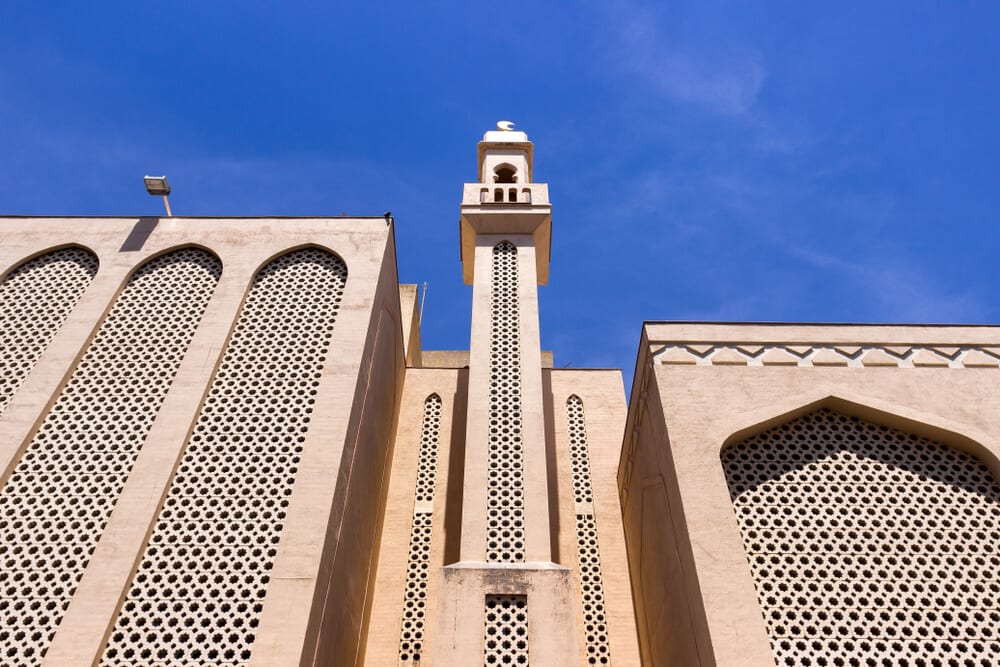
(869, 546)
(588, 549)
(35, 299)
(421, 528)
(202, 581)
(506, 630)
(61, 493)
(505, 500)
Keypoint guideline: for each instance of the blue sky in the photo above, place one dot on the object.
(721, 161)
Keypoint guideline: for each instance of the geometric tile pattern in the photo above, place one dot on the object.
(421, 528)
(818, 355)
(868, 546)
(200, 587)
(506, 630)
(588, 549)
(35, 299)
(56, 503)
(505, 492)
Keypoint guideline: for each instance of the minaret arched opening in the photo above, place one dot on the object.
(505, 173)
(866, 541)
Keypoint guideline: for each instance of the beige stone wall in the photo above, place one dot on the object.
(336, 584)
(386, 619)
(603, 399)
(460, 359)
(409, 306)
(700, 386)
(337, 498)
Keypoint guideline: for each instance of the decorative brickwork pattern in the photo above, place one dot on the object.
(579, 452)
(869, 546)
(59, 497)
(411, 636)
(201, 584)
(826, 354)
(35, 300)
(506, 630)
(505, 490)
(588, 550)
(595, 624)
(427, 461)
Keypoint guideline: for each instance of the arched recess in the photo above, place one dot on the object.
(411, 636)
(505, 173)
(214, 542)
(60, 494)
(324, 250)
(36, 297)
(932, 426)
(588, 551)
(865, 541)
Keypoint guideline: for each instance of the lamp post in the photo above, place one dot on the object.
(158, 185)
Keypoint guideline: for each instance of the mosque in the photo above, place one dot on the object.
(222, 443)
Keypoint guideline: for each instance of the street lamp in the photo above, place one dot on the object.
(158, 185)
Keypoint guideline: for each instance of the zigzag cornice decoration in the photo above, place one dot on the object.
(826, 355)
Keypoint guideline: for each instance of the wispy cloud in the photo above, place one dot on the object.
(726, 84)
(900, 290)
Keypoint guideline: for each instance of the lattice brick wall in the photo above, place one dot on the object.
(587, 546)
(869, 546)
(505, 491)
(62, 491)
(506, 630)
(35, 299)
(200, 587)
(411, 636)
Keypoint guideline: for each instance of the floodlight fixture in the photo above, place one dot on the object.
(158, 185)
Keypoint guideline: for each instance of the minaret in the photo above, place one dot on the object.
(505, 602)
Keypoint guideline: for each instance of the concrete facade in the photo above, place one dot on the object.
(222, 441)
(333, 513)
(703, 389)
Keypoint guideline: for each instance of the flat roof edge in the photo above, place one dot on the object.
(817, 324)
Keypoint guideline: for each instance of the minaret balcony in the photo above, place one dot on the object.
(506, 194)
(497, 209)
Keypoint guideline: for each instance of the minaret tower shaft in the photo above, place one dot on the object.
(506, 585)
(506, 226)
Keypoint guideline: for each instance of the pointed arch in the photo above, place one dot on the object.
(411, 635)
(866, 539)
(36, 297)
(879, 411)
(595, 622)
(226, 503)
(312, 245)
(64, 487)
(505, 173)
